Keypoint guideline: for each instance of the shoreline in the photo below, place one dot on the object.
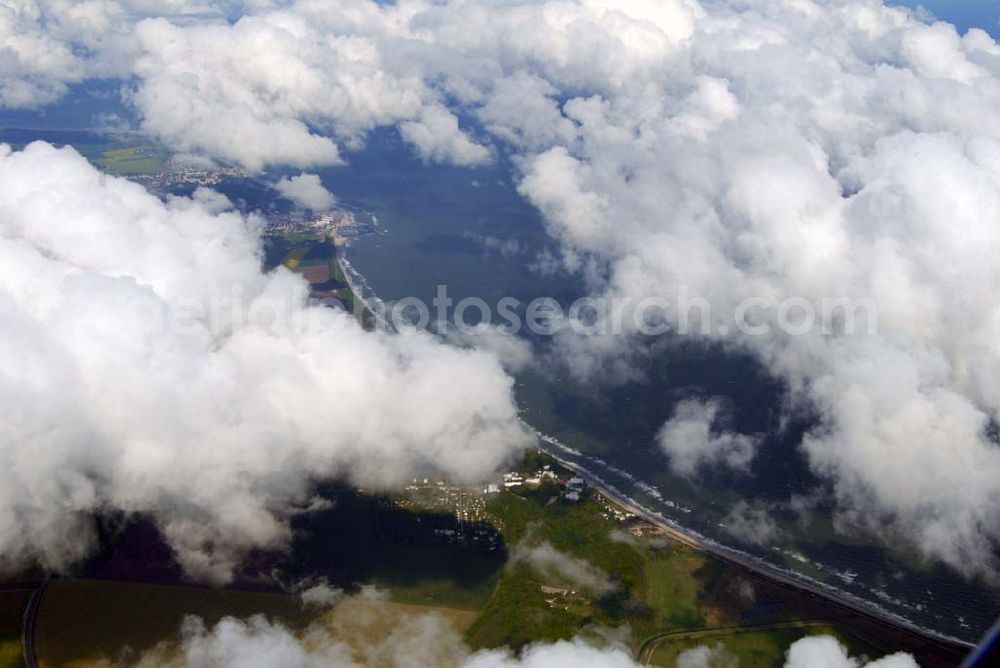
(351, 278)
(693, 539)
(753, 564)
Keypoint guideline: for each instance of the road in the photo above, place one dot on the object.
(645, 654)
(30, 620)
(760, 568)
(378, 314)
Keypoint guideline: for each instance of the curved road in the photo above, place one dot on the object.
(645, 654)
(30, 620)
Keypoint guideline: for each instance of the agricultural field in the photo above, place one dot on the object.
(132, 160)
(673, 589)
(547, 569)
(89, 144)
(667, 598)
(656, 585)
(119, 155)
(314, 258)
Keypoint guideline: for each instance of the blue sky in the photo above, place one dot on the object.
(963, 13)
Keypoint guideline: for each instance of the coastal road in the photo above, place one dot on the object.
(762, 569)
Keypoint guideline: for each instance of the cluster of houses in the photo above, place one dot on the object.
(338, 226)
(515, 479)
(178, 176)
(463, 519)
(612, 511)
(573, 489)
(560, 597)
(295, 223)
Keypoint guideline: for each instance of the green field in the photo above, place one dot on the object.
(302, 249)
(656, 587)
(661, 599)
(669, 598)
(294, 257)
(673, 589)
(132, 160)
(120, 155)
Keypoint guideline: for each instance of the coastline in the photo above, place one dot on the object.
(783, 577)
(676, 531)
(354, 281)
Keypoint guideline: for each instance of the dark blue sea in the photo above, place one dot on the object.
(443, 226)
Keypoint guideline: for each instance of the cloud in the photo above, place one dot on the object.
(707, 657)
(562, 568)
(628, 538)
(437, 137)
(35, 68)
(693, 439)
(254, 643)
(307, 191)
(751, 524)
(562, 653)
(288, 84)
(362, 630)
(514, 353)
(778, 151)
(826, 652)
(49, 45)
(321, 595)
(236, 81)
(792, 152)
(275, 86)
(809, 652)
(148, 366)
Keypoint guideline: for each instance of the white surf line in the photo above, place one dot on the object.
(750, 562)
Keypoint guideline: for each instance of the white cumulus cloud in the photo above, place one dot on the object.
(147, 365)
(791, 153)
(361, 631)
(307, 191)
(826, 652)
(561, 568)
(694, 438)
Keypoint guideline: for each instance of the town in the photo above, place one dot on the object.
(339, 226)
(173, 176)
(473, 525)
